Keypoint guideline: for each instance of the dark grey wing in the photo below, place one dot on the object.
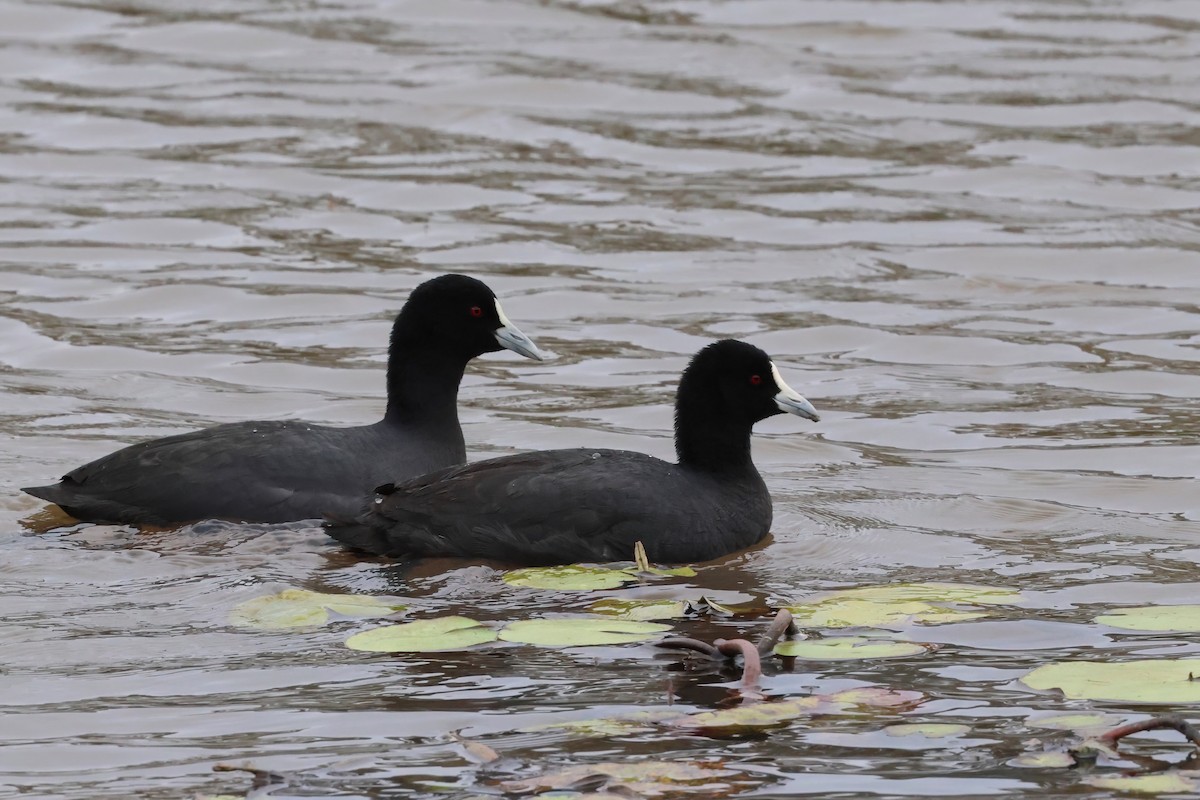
(249, 471)
(552, 506)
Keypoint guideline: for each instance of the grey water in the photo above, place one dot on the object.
(967, 231)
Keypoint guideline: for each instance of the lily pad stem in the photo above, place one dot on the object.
(751, 663)
(1172, 721)
(684, 643)
(782, 624)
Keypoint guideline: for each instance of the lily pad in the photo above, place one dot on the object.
(848, 647)
(898, 605)
(423, 636)
(572, 577)
(1048, 760)
(1154, 618)
(1166, 681)
(578, 632)
(1158, 783)
(930, 730)
(638, 609)
(300, 608)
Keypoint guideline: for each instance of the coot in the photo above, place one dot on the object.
(563, 506)
(292, 470)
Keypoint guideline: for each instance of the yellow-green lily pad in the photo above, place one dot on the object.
(898, 605)
(423, 636)
(571, 576)
(1166, 681)
(300, 608)
(1154, 618)
(841, 648)
(579, 632)
(638, 609)
(1048, 760)
(1157, 783)
(930, 730)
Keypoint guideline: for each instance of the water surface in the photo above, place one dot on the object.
(967, 231)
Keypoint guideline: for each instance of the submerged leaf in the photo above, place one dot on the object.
(930, 730)
(300, 608)
(848, 647)
(423, 636)
(1154, 618)
(634, 722)
(639, 776)
(570, 576)
(577, 631)
(1157, 783)
(1079, 723)
(1166, 681)
(752, 716)
(1048, 760)
(638, 609)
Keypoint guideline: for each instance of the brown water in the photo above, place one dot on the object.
(967, 231)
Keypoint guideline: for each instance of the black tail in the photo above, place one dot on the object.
(357, 534)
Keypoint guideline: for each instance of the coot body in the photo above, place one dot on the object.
(291, 470)
(563, 506)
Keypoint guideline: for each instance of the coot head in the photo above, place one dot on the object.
(460, 315)
(740, 384)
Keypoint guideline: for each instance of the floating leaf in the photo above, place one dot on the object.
(1166, 681)
(930, 730)
(1158, 783)
(934, 592)
(1154, 618)
(423, 636)
(651, 777)
(898, 605)
(571, 576)
(638, 609)
(848, 647)
(577, 631)
(1047, 760)
(300, 608)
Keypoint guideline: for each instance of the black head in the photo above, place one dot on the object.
(738, 382)
(459, 314)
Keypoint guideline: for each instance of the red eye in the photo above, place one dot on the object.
(755, 380)
(476, 311)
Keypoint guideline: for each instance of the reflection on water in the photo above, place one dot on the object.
(967, 231)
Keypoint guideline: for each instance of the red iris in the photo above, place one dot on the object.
(476, 311)
(755, 380)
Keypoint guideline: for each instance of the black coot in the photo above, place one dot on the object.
(562, 506)
(283, 471)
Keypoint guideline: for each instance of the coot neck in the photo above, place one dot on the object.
(708, 440)
(422, 384)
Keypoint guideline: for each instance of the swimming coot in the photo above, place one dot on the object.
(291, 470)
(563, 506)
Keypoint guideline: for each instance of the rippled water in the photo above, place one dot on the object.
(966, 230)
